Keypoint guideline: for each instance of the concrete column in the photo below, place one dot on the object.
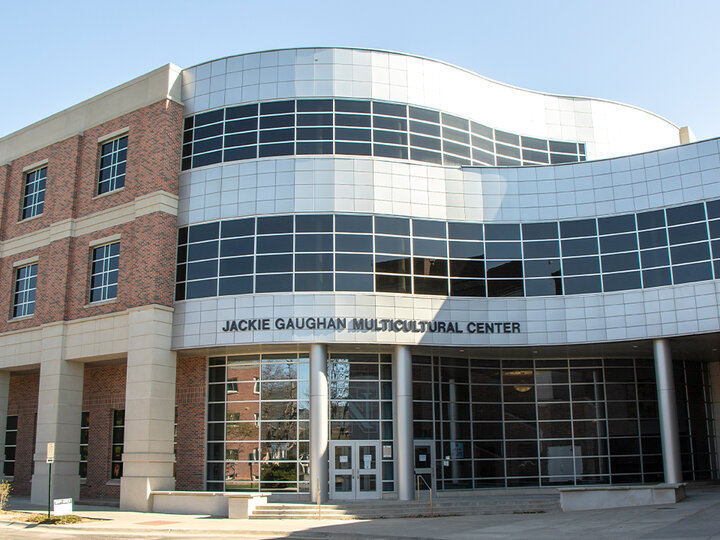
(403, 423)
(58, 420)
(4, 394)
(149, 409)
(318, 423)
(667, 407)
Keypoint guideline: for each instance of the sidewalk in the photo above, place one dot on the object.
(698, 516)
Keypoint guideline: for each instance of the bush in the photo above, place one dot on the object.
(5, 488)
(59, 520)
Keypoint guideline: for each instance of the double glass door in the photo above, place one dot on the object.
(355, 470)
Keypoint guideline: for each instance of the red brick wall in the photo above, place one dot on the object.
(147, 244)
(190, 402)
(103, 392)
(23, 402)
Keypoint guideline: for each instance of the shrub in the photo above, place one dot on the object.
(5, 488)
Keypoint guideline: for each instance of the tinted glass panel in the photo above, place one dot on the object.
(686, 214)
(273, 263)
(349, 223)
(622, 261)
(502, 232)
(273, 283)
(619, 242)
(429, 248)
(581, 285)
(433, 229)
(573, 229)
(655, 257)
(314, 262)
(542, 268)
(651, 220)
(353, 282)
(692, 272)
(389, 225)
(690, 253)
(534, 250)
(506, 287)
(656, 277)
(353, 263)
(621, 281)
(688, 233)
(584, 246)
(467, 287)
(465, 231)
(543, 287)
(616, 224)
(467, 250)
(655, 238)
(208, 231)
(275, 224)
(581, 265)
(392, 244)
(503, 250)
(354, 242)
(539, 231)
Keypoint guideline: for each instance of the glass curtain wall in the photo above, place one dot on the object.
(506, 423)
(361, 405)
(695, 419)
(258, 416)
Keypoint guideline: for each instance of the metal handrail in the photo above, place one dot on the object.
(419, 477)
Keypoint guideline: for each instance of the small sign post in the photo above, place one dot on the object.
(50, 459)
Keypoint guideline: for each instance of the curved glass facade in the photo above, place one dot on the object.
(360, 128)
(506, 423)
(364, 253)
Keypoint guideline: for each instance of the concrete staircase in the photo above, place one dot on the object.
(485, 503)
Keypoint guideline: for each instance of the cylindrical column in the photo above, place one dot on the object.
(318, 423)
(668, 411)
(403, 428)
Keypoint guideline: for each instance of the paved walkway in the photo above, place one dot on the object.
(698, 516)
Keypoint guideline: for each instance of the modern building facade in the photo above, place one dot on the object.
(343, 273)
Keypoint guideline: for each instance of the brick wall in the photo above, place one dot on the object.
(147, 243)
(23, 402)
(190, 402)
(103, 392)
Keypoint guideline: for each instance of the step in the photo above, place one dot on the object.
(394, 509)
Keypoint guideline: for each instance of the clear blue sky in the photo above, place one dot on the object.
(660, 55)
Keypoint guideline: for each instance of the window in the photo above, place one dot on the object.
(25, 287)
(118, 438)
(34, 199)
(113, 157)
(11, 431)
(84, 434)
(104, 272)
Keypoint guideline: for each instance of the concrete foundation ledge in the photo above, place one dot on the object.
(214, 503)
(598, 497)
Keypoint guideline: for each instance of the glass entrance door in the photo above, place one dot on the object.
(355, 470)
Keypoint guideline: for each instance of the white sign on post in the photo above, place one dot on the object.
(62, 507)
(50, 452)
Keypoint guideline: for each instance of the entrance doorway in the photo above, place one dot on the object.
(424, 465)
(355, 470)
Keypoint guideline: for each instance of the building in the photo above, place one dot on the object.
(322, 272)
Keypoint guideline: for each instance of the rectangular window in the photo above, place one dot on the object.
(34, 198)
(84, 435)
(11, 431)
(113, 157)
(104, 272)
(25, 288)
(118, 438)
